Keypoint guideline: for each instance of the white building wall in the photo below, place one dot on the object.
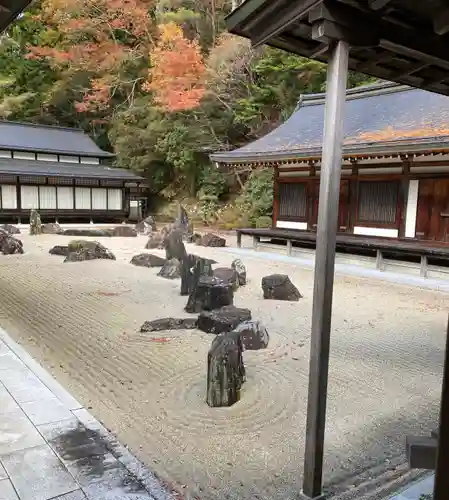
(65, 197)
(9, 196)
(412, 209)
(29, 197)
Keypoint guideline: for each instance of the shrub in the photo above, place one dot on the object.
(256, 200)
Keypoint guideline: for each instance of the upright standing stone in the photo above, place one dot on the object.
(240, 269)
(192, 268)
(174, 246)
(210, 293)
(35, 223)
(225, 371)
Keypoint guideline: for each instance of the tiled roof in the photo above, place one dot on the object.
(60, 169)
(48, 139)
(382, 117)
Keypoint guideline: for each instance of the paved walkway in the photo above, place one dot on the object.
(52, 448)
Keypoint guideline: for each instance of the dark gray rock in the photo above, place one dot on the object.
(240, 269)
(225, 371)
(210, 293)
(211, 240)
(147, 260)
(96, 233)
(146, 226)
(171, 269)
(51, 228)
(182, 220)
(35, 223)
(10, 229)
(279, 287)
(174, 246)
(227, 275)
(222, 320)
(192, 268)
(10, 245)
(92, 251)
(158, 325)
(253, 334)
(155, 240)
(59, 250)
(124, 231)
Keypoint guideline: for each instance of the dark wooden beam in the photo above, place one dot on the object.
(286, 17)
(441, 22)
(442, 456)
(378, 4)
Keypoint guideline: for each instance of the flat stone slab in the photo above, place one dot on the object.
(17, 433)
(38, 474)
(7, 491)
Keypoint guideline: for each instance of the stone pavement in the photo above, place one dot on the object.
(52, 448)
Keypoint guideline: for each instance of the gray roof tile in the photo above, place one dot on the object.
(48, 139)
(376, 116)
(60, 169)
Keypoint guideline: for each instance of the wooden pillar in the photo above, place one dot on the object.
(275, 196)
(441, 488)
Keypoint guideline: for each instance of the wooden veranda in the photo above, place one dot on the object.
(404, 41)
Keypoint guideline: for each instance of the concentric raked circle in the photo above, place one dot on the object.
(268, 397)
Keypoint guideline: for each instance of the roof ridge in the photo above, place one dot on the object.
(42, 125)
(372, 89)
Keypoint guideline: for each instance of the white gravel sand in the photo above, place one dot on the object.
(81, 321)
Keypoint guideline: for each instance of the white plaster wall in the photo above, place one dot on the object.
(376, 231)
(21, 155)
(412, 207)
(29, 197)
(47, 197)
(65, 198)
(47, 157)
(9, 196)
(99, 199)
(114, 199)
(69, 159)
(89, 160)
(283, 224)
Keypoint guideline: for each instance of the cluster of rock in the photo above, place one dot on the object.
(8, 244)
(81, 250)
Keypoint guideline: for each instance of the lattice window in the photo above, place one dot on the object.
(86, 182)
(378, 202)
(292, 200)
(64, 181)
(111, 183)
(7, 178)
(31, 179)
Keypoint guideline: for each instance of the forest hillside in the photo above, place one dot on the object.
(161, 84)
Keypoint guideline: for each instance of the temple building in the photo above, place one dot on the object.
(395, 170)
(62, 173)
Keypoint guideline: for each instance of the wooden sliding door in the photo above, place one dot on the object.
(432, 222)
(343, 205)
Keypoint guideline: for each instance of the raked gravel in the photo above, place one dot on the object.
(81, 321)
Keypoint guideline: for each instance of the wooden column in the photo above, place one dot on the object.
(441, 490)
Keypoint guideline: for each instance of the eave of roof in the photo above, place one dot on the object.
(9, 10)
(378, 124)
(60, 169)
(53, 139)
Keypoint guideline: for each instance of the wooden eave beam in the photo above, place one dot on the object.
(441, 22)
(378, 4)
(279, 23)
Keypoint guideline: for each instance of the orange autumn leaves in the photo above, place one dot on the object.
(178, 69)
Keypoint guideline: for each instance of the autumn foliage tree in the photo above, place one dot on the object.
(176, 75)
(104, 40)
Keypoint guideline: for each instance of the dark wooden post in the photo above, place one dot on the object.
(441, 490)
